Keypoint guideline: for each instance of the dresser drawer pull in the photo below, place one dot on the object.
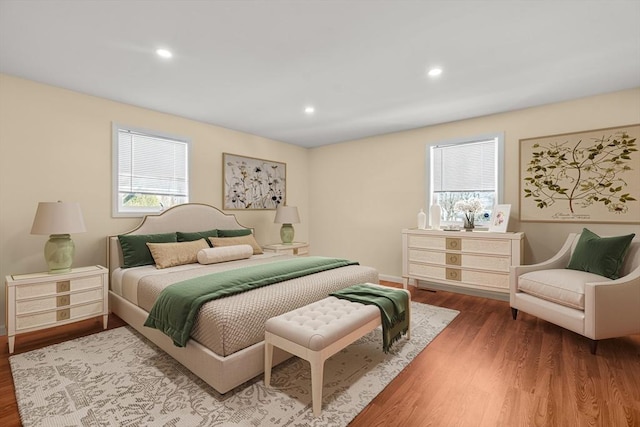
(63, 300)
(454, 259)
(454, 243)
(453, 274)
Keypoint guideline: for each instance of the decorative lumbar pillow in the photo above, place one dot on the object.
(600, 255)
(224, 254)
(234, 233)
(179, 253)
(135, 252)
(196, 235)
(240, 240)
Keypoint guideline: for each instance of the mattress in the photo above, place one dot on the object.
(230, 324)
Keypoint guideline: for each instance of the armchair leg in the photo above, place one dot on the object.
(593, 346)
(514, 313)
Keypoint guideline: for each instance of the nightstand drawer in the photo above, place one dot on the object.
(53, 287)
(48, 303)
(37, 320)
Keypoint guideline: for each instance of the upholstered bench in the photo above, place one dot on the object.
(317, 331)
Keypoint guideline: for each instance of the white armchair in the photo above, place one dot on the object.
(586, 303)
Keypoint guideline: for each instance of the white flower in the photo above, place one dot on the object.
(470, 206)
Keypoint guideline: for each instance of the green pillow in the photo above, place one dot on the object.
(600, 255)
(134, 247)
(234, 233)
(197, 235)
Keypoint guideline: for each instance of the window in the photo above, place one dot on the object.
(150, 171)
(464, 169)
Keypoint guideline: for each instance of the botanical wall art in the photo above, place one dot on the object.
(251, 183)
(591, 176)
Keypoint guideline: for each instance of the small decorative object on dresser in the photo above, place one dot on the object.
(293, 248)
(43, 300)
(500, 218)
(476, 263)
(435, 213)
(469, 208)
(422, 220)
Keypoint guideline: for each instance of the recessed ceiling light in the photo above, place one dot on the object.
(435, 72)
(164, 53)
(309, 110)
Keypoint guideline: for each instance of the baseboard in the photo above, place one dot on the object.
(388, 278)
(462, 290)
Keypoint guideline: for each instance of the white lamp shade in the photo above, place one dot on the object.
(58, 218)
(287, 215)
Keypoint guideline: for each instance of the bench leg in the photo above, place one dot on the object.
(317, 378)
(268, 361)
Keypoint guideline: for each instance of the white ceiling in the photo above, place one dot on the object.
(254, 65)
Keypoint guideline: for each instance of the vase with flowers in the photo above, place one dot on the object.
(469, 208)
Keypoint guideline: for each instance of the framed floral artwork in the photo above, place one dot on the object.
(251, 183)
(500, 218)
(590, 176)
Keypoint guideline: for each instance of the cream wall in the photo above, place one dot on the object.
(55, 144)
(364, 192)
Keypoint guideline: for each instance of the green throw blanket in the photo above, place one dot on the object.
(392, 304)
(175, 310)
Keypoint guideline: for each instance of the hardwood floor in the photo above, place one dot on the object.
(484, 369)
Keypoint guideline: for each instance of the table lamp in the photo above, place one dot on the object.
(59, 220)
(287, 215)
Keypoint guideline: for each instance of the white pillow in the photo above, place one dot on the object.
(224, 253)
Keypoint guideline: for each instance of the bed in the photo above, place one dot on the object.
(226, 347)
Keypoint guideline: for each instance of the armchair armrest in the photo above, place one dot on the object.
(612, 308)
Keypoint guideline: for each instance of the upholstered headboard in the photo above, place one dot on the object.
(189, 217)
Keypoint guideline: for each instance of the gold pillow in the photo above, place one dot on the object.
(179, 253)
(238, 240)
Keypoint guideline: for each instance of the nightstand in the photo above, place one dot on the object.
(295, 248)
(43, 300)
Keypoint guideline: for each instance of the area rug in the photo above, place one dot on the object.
(119, 378)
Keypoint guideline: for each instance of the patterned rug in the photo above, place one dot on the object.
(118, 378)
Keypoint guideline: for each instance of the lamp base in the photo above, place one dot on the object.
(58, 252)
(286, 234)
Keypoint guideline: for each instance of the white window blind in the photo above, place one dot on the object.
(150, 171)
(152, 165)
(468, 167)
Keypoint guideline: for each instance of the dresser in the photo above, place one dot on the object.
(43, 300)
(475, 262)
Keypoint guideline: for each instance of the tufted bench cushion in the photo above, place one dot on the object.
(322, 323)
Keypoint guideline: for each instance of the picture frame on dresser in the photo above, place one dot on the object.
(500, 218)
